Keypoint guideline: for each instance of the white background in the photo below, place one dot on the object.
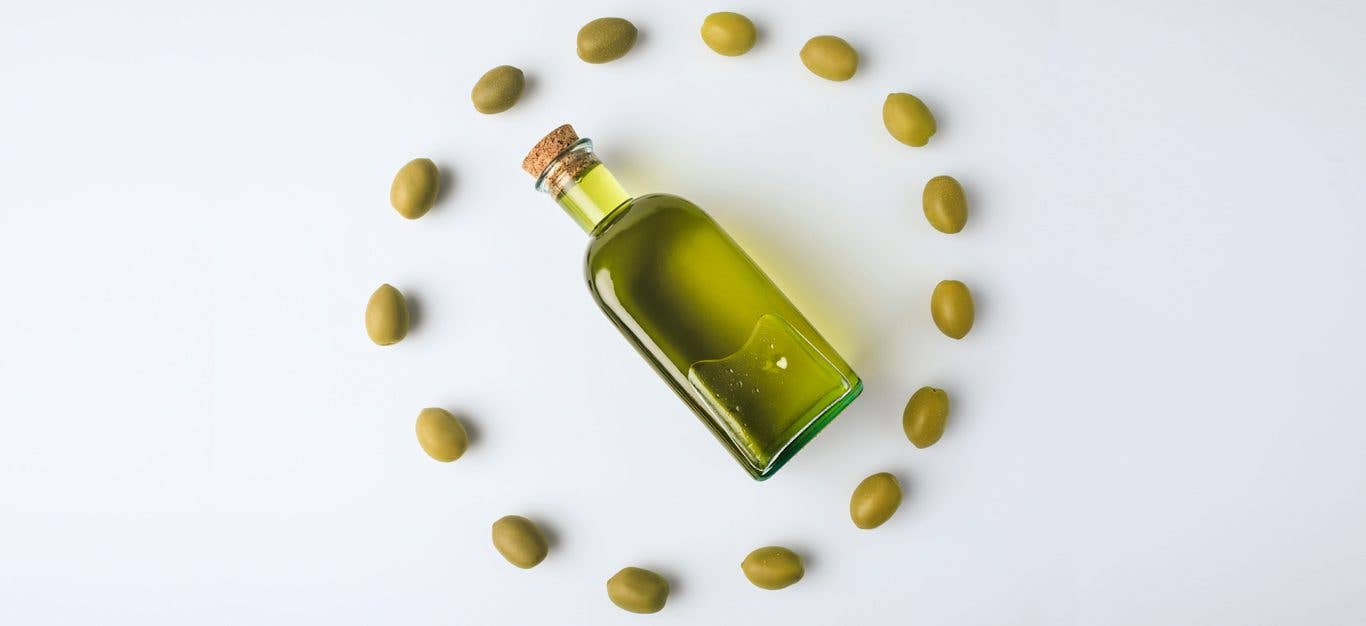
(1156, 419)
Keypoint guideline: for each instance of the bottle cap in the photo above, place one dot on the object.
(552, 145)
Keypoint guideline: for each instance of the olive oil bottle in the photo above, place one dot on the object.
(713, 325)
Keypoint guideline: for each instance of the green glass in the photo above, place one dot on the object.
(708, 319)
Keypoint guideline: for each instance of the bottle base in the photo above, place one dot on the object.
(807, 434)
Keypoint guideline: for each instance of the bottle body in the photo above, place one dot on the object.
(717, 329)
(698, 308)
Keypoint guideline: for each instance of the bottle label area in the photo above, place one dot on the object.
(770, 389)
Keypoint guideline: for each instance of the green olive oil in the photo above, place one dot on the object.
(699, 309)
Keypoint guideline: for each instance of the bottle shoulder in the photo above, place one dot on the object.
(655, 205)
(656, 216)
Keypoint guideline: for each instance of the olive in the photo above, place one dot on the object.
(606, 39)
(386, 316)
(908, 119)
(414, 189)
(728, 33)
(519, 541)
(830, 57)
(945, 206)
(925, 415)
(772, 567)
(441, 435)
(638, 590)
(875, 500)
(498, 89)
(951, 307)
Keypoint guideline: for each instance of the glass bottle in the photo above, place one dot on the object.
(699, 310)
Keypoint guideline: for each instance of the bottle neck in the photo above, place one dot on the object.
(583, 186)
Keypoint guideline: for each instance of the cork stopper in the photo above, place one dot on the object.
(549, 147)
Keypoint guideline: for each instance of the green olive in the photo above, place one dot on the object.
(924, 416)
(830, 57)
(772, 567)
(441, 435)
(638, 590)
(519, 541)
(908, 119)
(728, 33)
(415, 187)
(951, 308)
(606, 39)
(498, 89)
(875, 500)
(386, 316)
(945, 205)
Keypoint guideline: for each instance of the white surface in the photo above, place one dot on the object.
(1157, 418)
